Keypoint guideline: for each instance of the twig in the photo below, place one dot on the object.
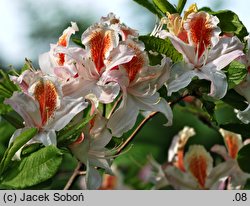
(131, 137)
(143, 122)
(114, 107)
(73, 176)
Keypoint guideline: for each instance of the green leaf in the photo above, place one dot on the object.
(71, 132)
(15, 146)
(7, 87)
(77, 41)
(165, 6)
(243, 158)
(162, 46)
(148, 5)
(225, 114)
(34, 169)
(247, 185)
(181, 5)
(13, 118)
(236, 72)
(240, 128)
(235, 100)
(230, 23)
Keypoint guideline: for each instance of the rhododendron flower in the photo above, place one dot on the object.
(199, 171)
(90, 150)
(41, 104)
(139, 82)
(244, 88)
(233, 144)
(205, 53)
(176, 150)
(56, 63)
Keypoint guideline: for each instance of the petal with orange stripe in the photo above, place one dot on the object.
(233, 142)
(46, 94)
(198, 162)
(100, 42)
(64, 41)
(203, 31)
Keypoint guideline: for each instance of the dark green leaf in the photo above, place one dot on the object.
(34, 169)
(240, 128)
(225, 114)
(247, 185)
(70, 133)
(148, 5)
(165, 6)
(235, 100)
(7, 87)
(77, 41)
(181, 5)
(31, 148)
(162, 46)
(15, 146)
(236, 72)
(14, 118)
(230, 23)
(243, 158)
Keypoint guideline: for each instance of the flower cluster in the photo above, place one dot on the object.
(112, 67)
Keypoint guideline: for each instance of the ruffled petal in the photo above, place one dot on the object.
(27, 107)
(180, 77)
(124, 118)
(218, 81)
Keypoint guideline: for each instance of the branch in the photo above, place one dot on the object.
(76, 173)
(143, 122)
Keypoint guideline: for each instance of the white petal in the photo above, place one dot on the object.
(244, 116)
(93, 178)
(124, 118)
(225, 51)
(218, 81)
(180, 77)
(27, 107)
(69, 108)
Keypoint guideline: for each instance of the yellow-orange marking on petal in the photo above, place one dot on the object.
(198, 167)
(180, 163)
(232, 145)
(135, 64)
(201, 32)
(109, 182)
(100, 44)
(46, 94)
(61, 56)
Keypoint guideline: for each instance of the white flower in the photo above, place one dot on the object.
(205, 52)
(233, 144)
(41, 104)
(139, 83)
(90, 150)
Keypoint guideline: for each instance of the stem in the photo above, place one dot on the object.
(143, 122)
(131, 137)
(114, 107)
(73, 176)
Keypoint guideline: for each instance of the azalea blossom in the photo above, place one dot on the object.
(192, 170)
(90, 150)
(139, 83)
(233, 144)
(197, 37)
(56, 63)
(42, 105)
(244, 88)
